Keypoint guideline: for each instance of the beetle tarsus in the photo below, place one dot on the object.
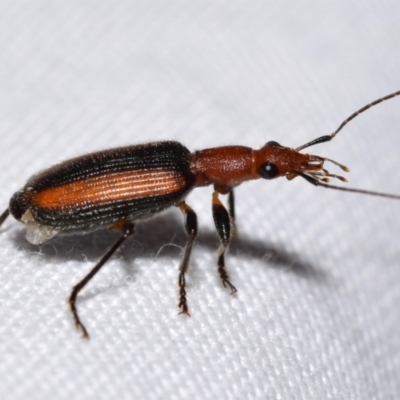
(182, 295)
(223, 273)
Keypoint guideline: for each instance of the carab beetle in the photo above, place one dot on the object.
(119, 187)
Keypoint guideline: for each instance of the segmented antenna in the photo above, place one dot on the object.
(314, 181)
(327, 138)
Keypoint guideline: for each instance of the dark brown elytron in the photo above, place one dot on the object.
(116, 188)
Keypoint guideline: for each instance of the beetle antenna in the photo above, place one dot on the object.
(317, 182)
(327, 138)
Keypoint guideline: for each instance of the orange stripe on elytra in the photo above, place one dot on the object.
(110, 187)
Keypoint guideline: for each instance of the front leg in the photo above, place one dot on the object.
(231, 210)
(222, 221)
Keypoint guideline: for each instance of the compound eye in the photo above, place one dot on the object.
(269, 171)
(273, 143)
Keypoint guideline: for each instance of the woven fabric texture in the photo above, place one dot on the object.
(317, 311)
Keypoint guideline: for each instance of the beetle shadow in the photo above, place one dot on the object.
(165, 237)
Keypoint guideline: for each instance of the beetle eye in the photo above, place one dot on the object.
(269, 171)
(273, 143)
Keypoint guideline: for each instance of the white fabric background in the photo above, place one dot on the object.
(318, 272)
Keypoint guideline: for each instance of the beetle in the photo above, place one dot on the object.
(117, 188)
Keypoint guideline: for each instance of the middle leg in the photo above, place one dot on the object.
(191, 229)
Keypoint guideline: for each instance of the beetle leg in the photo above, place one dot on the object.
(4, 216)
(128, 229)
(223, 224)
(191, 229)
(231, 210)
